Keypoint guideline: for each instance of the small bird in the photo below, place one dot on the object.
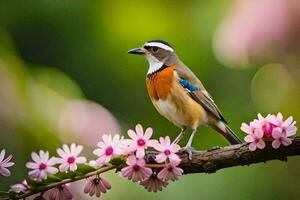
(179, 95)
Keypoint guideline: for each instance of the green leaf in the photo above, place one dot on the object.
(39, 183)
(34, 183)
(118, 161)
(84, 169)
(65, 175)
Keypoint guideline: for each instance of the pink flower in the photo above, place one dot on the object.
(108, 148)
(170, 172)
(153, 184)
(287, 126)
(267, 124)
(41, 165)
(70, 157)
(280, 138)
(249, 129)
(271, 126)
(167, 150)
(5, 163)
(255, 139)
(61, 193)
(136, 170)
(96, 185)
(140, 141)
(19, 187)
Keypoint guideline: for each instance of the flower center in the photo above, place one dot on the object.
(71, 160)
(42, 166)
(268, 129)
(170, 168)
(167, 152)
(136, 168)
(141, 142)
(109, 151)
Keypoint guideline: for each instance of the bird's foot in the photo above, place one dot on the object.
(189, 150)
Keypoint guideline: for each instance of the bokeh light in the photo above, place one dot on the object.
(272, 87)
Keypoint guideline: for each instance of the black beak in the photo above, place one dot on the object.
(138, 51)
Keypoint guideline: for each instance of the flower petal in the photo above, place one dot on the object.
(261, 144)
(139, 130)
(77, 150)
(32, 165)
(64, 167)
(148, 133)
(61, 153)
(140, 153)
(277, 133)
(276, 144)
(258, 133)
(246, 128)
(249, 138)
(4, 171)
(66, 149)
(131, 160)
(160, 158)
(252, 146)
(286, 141)
(132, 134)
(80, 159)
(2, 154)
(35, 157)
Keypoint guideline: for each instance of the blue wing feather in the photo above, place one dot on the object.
(186, 84)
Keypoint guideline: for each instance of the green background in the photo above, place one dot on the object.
(52, 52)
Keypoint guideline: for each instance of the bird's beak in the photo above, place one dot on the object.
(139, 51)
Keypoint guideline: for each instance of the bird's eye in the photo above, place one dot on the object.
(154, 49)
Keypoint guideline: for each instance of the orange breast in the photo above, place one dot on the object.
(159, 84)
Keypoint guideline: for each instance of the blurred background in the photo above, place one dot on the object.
(65, 76)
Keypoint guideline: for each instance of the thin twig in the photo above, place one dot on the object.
(65, 181)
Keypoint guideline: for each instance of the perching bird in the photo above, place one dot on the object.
(178, 94)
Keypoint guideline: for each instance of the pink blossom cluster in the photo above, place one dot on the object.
(273, 128)
(134, 149)
(110, 147)
(42, 165)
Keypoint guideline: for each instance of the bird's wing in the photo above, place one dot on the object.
(197, 91)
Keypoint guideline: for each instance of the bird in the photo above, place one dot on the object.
(178, 95)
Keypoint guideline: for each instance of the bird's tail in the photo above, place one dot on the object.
(224, 130)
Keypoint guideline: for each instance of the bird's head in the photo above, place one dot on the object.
(158, 53)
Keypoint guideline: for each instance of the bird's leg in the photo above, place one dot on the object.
(188, 147)
(189, 143)
(179, 136)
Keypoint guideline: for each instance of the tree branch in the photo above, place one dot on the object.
(208, 161)
(237, 155)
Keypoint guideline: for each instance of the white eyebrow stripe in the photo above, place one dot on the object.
(160, 45)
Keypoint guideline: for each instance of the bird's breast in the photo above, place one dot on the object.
(159, 84)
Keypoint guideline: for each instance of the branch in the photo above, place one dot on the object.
(208, 161)
(65, 181)
(237, 155)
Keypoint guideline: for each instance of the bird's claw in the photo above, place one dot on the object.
(189, 150)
